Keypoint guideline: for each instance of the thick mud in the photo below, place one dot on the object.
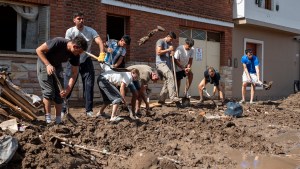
(170, 138)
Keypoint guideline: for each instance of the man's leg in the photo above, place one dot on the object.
(164, 89)
(200, 89)
(47, 109)
(190, 77)
(169, 81)
(88, 78)
(244, 85)
(252, 93)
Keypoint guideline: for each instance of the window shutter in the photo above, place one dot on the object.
(44, 24)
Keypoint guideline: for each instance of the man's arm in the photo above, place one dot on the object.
(40, 51)
(119, 62)
(246, 71)
(99, 41)
(122, 90)
(160, 51)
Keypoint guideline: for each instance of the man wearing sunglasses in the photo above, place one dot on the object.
(251, 73)
(86, 68)
(51, 55)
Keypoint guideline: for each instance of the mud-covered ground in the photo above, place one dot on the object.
(169, 138)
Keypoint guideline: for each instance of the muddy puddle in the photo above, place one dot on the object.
(254, 161)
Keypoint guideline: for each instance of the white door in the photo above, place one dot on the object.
(207, 53)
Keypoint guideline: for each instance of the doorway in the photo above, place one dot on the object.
(115, 27)
(9, 17)
(207, 53)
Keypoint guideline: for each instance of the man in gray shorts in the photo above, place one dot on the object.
(51, 55)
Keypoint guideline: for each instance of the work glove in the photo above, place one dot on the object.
(101, 57)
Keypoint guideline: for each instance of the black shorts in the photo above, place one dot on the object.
(180, 75)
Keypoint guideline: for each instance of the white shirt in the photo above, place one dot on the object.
(183, 56)
(89, 35)
(116, 78)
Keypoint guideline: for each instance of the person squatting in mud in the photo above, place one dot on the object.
(183, 61)
(107, 83)
(51, 55)
(86, 67)
(141, 86)
(213, 77)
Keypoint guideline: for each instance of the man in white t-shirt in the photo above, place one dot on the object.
(86, 67)
(107, 83)
(183, 60)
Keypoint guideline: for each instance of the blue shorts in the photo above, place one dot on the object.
(134, 86)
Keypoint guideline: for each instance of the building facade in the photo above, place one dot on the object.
(209, 24)
(270, 28)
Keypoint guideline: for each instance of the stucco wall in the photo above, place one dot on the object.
(281, 62)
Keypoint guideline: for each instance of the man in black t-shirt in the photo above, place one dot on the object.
(51, 55)
(213, 77)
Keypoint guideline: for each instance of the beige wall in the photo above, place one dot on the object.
(281, 60)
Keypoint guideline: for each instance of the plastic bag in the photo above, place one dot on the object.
(234, 109)
(8, 147)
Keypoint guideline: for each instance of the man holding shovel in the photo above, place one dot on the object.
(163, 63)
(213, 77)
(183, 60)
(51, 55)
(251, 74)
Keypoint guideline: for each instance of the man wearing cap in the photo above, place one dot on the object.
(251, 73)
(164, 49)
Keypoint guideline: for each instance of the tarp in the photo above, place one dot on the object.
(8, 147)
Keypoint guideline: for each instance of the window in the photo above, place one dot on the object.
(267, 4)
(192, 33)
(115, 27)
(27, 27)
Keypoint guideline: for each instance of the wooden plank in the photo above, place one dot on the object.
(16, 110)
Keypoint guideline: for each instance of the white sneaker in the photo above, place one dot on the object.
(242, 102)
(48, 118)
(115, 119)
(90, 114)
(176, 99)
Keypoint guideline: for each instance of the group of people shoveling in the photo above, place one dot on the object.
(171, 66)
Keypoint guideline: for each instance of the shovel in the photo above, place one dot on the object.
(186, 99)
(114, 69)
(68, 115)
(208, 95)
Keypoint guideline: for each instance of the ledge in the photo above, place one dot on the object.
(31, 56)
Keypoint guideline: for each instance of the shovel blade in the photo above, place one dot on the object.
(186, 102)
(71, 119)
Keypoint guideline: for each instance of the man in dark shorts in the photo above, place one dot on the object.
(51, 55)
(213, 77)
